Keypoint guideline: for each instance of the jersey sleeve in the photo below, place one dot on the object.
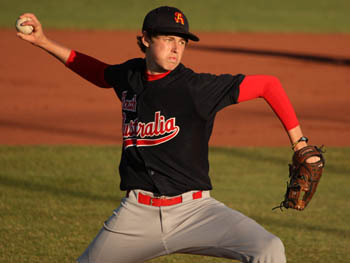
(211, 93)
(127, 75)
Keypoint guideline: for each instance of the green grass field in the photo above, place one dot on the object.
(204, 15)
(54, 199)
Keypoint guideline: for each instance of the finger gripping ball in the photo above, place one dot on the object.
(24, 29)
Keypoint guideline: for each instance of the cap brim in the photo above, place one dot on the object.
(193, 37)
(176, 32)
(189, 36)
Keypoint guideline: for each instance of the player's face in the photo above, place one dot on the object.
(164, 52)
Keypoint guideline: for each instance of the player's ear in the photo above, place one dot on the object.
(146, 39)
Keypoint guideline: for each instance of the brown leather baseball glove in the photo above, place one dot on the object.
(304, 178)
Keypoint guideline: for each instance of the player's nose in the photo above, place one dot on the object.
(175, 47)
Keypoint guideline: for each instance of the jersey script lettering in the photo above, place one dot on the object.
(139, 134)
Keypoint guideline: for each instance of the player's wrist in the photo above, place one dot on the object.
(300, 143)
(299, 146)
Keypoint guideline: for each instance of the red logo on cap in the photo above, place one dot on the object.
(179, 18)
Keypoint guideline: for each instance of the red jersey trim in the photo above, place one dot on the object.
(152, 77)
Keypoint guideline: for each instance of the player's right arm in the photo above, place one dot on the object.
(87, 67)
(39, 39)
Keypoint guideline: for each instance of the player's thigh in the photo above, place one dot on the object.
(252, 242)
(216, 230)
(131, 234)
(115, 247)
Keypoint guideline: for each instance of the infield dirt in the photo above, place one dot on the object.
(42, 102)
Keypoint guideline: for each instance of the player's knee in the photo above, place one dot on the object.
(272, 251)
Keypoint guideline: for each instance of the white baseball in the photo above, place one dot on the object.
(23, 29)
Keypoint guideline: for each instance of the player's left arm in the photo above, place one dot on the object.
(308, 161)
(270, 89)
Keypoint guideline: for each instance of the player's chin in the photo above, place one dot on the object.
(171, 66)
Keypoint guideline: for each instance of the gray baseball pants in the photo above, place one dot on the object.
(139, 232)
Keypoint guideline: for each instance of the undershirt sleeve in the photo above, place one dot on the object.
(269, 88)
(88, 68)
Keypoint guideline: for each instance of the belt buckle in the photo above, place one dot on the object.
(153, 199)
(158, 198)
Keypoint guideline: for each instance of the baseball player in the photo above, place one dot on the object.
(168, 112)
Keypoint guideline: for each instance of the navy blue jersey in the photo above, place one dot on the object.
(167, 124)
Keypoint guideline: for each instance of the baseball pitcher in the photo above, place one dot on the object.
(168, 112)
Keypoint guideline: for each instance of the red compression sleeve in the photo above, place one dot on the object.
(88, 67)
(269, 88)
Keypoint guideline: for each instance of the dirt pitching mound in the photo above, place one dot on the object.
(42, 102)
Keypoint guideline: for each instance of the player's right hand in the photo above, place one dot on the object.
(37, 37)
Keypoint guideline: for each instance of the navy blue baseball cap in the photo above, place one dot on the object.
(168, 20)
